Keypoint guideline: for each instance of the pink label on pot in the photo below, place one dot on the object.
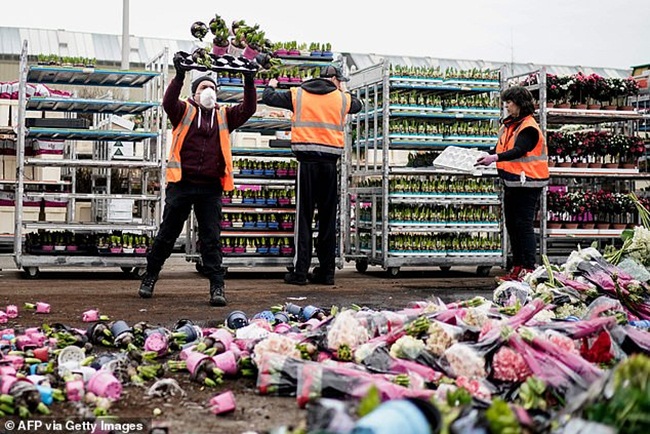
(12, 311)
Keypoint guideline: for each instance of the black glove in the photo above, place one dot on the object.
(179, 64)
(249, 74)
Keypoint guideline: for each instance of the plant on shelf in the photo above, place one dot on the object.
(220, 34)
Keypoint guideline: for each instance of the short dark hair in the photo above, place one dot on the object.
(521, 97)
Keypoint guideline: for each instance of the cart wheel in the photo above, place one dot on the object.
(483, 270)
(361, 265)
(445, 268)
(138, 272)
(127, 270)
(32, 272)
(392, 271)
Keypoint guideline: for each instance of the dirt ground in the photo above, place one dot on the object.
(182, 293)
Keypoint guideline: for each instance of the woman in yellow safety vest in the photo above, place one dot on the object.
(522, 162)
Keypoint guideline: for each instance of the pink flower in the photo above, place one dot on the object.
(564, 342)
(509, 366)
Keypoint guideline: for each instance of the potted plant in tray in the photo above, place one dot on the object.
(116, 245)
(238, 43)
(127, 244)
(220, 34)
(140, 245)
(326, 50)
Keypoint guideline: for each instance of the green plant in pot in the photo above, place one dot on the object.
(220, 33)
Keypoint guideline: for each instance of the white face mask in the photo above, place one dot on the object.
(208, 98)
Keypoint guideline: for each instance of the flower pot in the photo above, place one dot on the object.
(563, 106)
(579, 106)
(157, 342)
(286, 251)
(116, 250)
(274, 250)
(251, 249)
(140, 250)
(272, 202)
(225, 199)
(235, 51)
(281, 52)
(47, 248)
(226, 224)
(104, 384)
(187, 328)
(295, 80)
(235, 80)
(286, 225)
(260, 201)
(587, 225)
(570, 225)
(595, 165)
(627, 108)
(259, 82)
(42, 307)
(293, 52)
(226, 362)
(59, 248)
(602, 225)
(127, 250)
(315, 53)
(609, 107)
(281, 172)
(194, 361)
(227, 250)
(618, 225)
(74, 390)
(71, 248)
(260, 225)
(610, 165)
(236, 320)
(119, 327)
(90, 315)
(249, 53)
(224, 336)
(551, 163)
(269, 172)
(219, 51)
(326, 54)
(223, 403)
(223, 80)
(549, 104)
(627, 166)
(12, 311)
(565, 164)
(593, 107)
(581, 164)
(281, 328)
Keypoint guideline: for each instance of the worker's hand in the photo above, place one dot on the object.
(179, 63)
(487, 160)
(273, 83)
(249, 74)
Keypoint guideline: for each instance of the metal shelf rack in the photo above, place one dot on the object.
(373, 156)
(149, 168)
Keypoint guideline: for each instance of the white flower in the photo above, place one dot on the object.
(406, 347)
(346, 330)
(278, 344)
(544, 315)
(464, 361)
(441, 336)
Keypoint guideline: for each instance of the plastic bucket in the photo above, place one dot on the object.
(156, 342)
(223, 336)
(194, 361)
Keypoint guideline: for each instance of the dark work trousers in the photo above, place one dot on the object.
(520, 206)
(180, 197)
(317, 186)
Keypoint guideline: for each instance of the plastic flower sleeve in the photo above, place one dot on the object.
(464, 360)
(277, 375)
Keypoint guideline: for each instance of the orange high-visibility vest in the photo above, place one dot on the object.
(180, 131)
(534, 164)
(318, 121)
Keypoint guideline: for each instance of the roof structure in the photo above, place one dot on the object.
(108, 48)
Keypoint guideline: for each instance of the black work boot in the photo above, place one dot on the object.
(295, 279)
(320, 277)
(217, 294)
(147, 285)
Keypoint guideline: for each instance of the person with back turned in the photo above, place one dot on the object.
(319, 106)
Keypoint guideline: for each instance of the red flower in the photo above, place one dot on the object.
(600, 351)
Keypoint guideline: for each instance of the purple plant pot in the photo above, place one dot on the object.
(4, 318)
(7, 383)
(7, 371)
(47, 248)
(219, 51)
(227, 362)
(12, 311)
(74, 390)
(116, 250)
(104, 384)
(223, 403)
(157, 342)
(71, 248)
(281, 52)
(140, 250)
(24, 342)
(90, 315)
(194, 361)
(282, 328)
(42, 307)
(250, 53)
(224, 336)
